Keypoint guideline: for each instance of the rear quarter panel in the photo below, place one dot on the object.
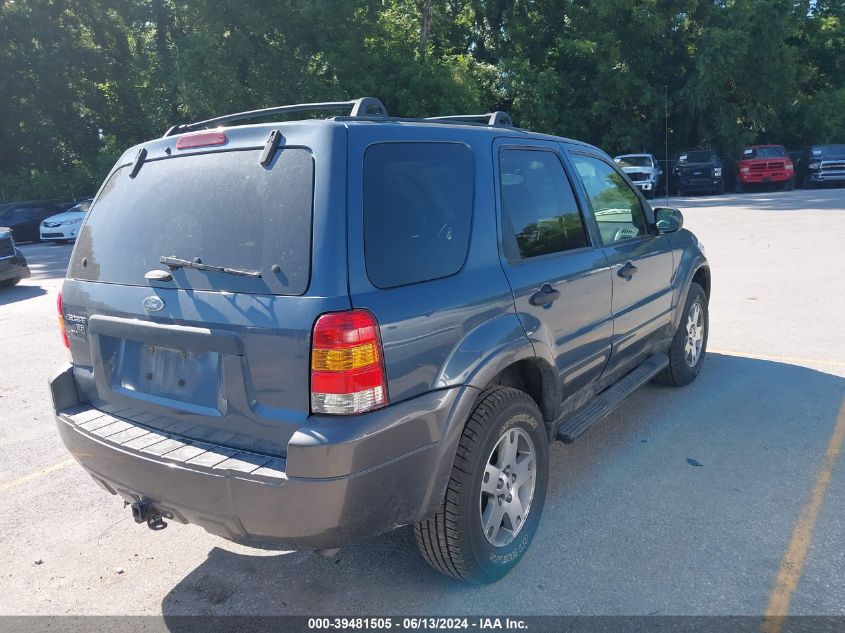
(437, 333)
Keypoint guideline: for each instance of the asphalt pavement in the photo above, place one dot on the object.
(724, 497)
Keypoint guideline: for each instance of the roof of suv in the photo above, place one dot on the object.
(482, 130)
(256, 135)
(365, 111)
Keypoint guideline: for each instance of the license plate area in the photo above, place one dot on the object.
(189, 377)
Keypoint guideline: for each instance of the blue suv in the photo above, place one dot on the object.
(306, 333)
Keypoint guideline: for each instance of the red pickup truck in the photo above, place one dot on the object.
(764, 164)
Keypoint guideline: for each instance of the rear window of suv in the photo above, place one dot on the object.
(222, 208)
(417, 211)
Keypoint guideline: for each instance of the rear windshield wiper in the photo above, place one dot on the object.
(176, 262)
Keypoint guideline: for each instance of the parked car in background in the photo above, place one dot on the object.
(698, 171)
(24, 218)
(823, 165)
(63, 228)
(797, 158)
(762, 165)
(643, 170)
(389, 334)
(13, 265)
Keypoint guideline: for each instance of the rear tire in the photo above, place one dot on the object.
(504, 433)
(689, 345)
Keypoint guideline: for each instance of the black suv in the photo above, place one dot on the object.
(698, 171)
(311, 332)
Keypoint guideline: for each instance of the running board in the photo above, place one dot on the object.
(601, 406)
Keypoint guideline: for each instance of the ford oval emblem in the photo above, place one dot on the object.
(153, 304)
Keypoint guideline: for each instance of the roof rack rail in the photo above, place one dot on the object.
(363, 107)
(493, 119)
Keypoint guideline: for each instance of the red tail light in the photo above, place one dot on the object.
(62, 327)
(347, 372)
(201, 139)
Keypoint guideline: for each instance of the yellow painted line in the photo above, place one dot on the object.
(780, 359)
(14, 483)
(802, 535)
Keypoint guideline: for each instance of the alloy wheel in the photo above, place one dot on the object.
(507, 487)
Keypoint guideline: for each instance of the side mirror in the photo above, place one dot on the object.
(668, 219)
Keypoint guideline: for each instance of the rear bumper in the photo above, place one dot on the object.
(251, 498)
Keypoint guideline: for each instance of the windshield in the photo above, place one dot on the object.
(763, 152)
(829, 151)
(699, 156)
(82, 207)
(634, 161)
(222, 208)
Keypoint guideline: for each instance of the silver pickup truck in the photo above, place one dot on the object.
(643, 170)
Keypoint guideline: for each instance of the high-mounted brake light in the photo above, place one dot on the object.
(62, 327)
(201, 139)
(347, 372)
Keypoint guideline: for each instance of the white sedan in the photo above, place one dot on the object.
(64, 226)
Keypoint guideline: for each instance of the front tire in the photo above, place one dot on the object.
(495, 494)
(8, 283)
(689, 345)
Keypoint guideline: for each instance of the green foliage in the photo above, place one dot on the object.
(84, 79)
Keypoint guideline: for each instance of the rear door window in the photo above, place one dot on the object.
(221, 208)
(418, 201)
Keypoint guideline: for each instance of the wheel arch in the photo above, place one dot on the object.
(702, 278)
(535, 377)
(516, 366)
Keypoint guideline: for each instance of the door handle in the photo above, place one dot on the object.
(627, 271)
(545, 296)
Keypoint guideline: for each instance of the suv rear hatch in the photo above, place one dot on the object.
(217, 354)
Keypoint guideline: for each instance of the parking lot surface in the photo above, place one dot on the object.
(725, 497)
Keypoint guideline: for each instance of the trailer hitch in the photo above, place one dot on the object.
(145, 512)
